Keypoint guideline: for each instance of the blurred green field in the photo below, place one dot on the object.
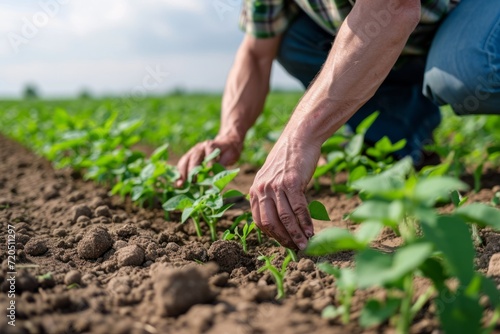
(183, 120)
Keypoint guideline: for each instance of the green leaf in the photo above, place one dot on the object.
(431, 189)
(366, 123)
(376, 210)
(355, 145)
(451, 236)
(459, 313)
(160, 153)
(318, 211)
(489, 288)
(332, 312)
(332, 240)
(186, 214)
(233, 193)
(374, 268)
(212, 155)
(221, 180)
(179, 202)
(357, 173)
(368, 231)
(481, 214)
(374, 312)
(434, 269)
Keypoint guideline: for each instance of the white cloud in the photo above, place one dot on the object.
(105, 45)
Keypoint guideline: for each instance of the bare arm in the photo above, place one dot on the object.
(243, 100)
(358, 62)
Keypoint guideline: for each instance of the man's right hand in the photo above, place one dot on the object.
(230, 151)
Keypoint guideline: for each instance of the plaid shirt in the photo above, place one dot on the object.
(268, 18)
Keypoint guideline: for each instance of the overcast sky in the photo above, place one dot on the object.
(119, 46)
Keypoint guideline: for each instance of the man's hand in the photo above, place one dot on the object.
(279, 206)
(230, 149)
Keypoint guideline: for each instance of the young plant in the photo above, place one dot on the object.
(248, 227)
(436, 246)
(350, 153)
(202, 200)
(277, 274)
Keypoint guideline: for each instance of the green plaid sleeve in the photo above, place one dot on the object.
(266, 18)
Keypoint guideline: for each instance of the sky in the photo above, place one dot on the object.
(122, 47)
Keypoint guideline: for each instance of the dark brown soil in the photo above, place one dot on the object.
(90, 263)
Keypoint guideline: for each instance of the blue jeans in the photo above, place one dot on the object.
(465, 55)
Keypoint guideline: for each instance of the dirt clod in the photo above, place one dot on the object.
(179, 289)
(102, 211)
(73, 277)
(227, 254)
(36, 247)
(132, 255)
(94, 243)
(306, 265)
(81, 210)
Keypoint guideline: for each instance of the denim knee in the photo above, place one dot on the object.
(463, 65)
(471, 94)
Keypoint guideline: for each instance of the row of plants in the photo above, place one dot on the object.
(437, 247)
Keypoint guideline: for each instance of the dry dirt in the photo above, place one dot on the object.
(117, 268)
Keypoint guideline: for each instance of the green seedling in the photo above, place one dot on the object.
(202, 198)
(248, 227)
(350, 153)
(277, 274)
(436, 246)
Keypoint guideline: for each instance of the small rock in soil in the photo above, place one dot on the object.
(36, 247)
(73, 277)
(102, 211)
(132, 255)
(194, 253)
(60, 232)
(22, 238)
(180, 288)
(227, 254)
(126, 231)
(94, 243)
(26, 282)
(119, 244)
(306, 265)
(81, 210)
(219, 280)
(494, 266)
(120, 285)
(256, 293)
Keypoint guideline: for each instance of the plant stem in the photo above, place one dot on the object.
(197, 226)
(422, 299)
(346, 303)
(405, 316)
(211, 225)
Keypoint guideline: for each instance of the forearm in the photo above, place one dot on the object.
(246, 88)
(356, 66)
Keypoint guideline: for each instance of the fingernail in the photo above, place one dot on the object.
(309, 234)
(302, 246)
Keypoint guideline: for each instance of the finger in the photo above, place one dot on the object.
(289, 221)
(182, 167)
(298, 204)
(195, 158)
(270, 219)
(254, 204)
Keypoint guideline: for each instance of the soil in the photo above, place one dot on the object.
(91, 263)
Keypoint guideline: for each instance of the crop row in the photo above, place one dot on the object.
(438, 247)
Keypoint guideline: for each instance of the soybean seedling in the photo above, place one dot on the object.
(277, 274)
(247, 228)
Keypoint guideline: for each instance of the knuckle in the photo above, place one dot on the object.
(286, 220)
